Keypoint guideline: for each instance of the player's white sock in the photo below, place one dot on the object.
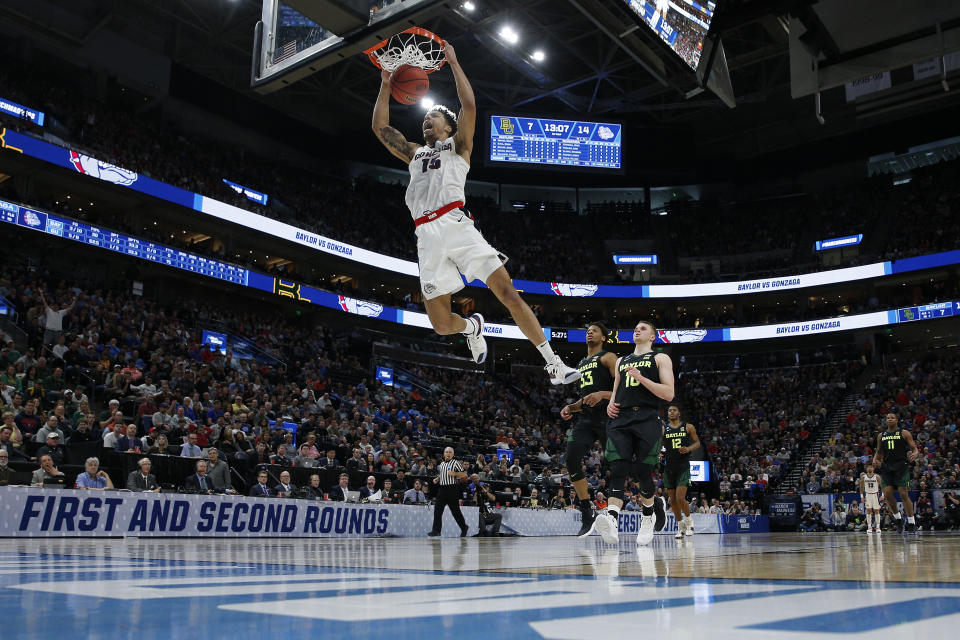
(896, 516)
(911, 520)
(471, 326)
(546, 351)
(869, 521)
(613, 511)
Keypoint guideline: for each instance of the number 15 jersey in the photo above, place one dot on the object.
(437, 177)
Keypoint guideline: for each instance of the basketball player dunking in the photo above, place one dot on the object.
(680, 438)
(896, 449)
(870, 495)
(597, 372)
(448, 243)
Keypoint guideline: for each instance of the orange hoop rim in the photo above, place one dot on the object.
(418, 31)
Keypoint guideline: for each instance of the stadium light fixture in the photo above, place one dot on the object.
(427, 103)
(469, 6)
(509, 35)
(538, 56)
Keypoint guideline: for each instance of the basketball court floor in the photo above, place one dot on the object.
(709, 586)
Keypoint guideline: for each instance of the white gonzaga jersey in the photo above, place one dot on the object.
(870, 484)
(437, 177)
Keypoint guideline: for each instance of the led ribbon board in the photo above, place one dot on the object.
(75, 161)
(24, 113)
(62, 227)
(838, 243)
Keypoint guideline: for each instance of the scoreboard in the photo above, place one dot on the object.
(929, 311)
(569, 143)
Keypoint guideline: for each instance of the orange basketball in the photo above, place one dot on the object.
(409, 84)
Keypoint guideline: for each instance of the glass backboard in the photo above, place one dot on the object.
(299, 37)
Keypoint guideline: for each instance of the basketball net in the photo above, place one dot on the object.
(415, 47)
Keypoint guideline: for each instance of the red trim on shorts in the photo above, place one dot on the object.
(433, 215)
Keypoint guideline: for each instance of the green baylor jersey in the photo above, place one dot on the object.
(631, 393)
(594, 376)
(673, 439)
(894, 448)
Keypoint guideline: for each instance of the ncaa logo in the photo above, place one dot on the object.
(574, 290)
(103, 170)
(682, 336)
(361, 307)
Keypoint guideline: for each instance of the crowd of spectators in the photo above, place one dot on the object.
(158, 391)
(929, 200)
(924, 394)
(543, 244)
(753, 423)
(852, 517)
(698, 315)
(130, 374)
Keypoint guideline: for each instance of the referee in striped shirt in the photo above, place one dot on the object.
(449, 493)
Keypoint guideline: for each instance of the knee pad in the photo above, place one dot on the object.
(645, 480)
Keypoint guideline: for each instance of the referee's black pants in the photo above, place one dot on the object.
(448, 496)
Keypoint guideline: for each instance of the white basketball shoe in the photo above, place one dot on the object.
(606, 526)
(559, 372)
(476, 341)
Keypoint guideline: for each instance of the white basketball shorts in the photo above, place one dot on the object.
(449, 246)
(872, 501)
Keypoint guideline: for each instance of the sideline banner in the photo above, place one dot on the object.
(828, 500)
(33, 512)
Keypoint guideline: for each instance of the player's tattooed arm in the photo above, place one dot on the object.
(396, 143)
(392, 139)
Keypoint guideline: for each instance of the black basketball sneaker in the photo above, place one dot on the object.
(660, 513)
(587, 518)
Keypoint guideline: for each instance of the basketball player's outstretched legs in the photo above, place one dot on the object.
(446, 322)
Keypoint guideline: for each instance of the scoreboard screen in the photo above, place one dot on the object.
(682, 24)
(570, 143)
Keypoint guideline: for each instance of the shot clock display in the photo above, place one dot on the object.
(555, 142)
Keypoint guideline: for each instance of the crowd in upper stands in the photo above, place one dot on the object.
(754, 422)
(699, 315)
(773, 234)
(924, 394)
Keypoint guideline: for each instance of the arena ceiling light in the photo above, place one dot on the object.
(469, 6)
(509, 35)
(427, 103)
(538, 56)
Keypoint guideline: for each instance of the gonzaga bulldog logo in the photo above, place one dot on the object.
(682, 336)
(361, 307)
(32, 219)
(574, 290)
(103, 170)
